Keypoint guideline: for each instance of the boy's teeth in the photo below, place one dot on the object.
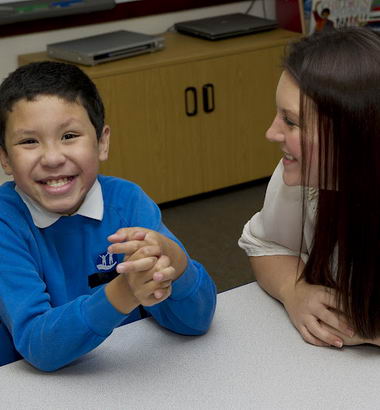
(289, 157)
(57, 182)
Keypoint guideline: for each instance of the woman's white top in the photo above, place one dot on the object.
(277, 228)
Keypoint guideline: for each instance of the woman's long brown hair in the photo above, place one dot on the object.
(338, 73)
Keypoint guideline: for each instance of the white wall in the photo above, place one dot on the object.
(11, 47)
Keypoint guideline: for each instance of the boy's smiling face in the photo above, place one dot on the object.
(53, 152)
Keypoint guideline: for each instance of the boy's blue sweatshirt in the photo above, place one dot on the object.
(49, 315)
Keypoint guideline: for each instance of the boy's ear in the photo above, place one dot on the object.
(104, 142)
(5, 162)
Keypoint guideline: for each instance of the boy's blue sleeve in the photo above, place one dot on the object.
(46, 336)
(190, 308)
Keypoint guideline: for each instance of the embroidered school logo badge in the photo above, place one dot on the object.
(105, 261)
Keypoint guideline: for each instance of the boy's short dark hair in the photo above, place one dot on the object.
(50, 78)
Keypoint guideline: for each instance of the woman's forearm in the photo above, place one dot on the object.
(276, 273)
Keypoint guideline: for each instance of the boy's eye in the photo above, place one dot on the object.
(69, 136)
(28, 141)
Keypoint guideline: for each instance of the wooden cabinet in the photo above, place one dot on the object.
(191, 118)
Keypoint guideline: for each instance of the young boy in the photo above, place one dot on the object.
(80, 253)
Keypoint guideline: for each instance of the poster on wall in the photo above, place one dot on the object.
(325, 14)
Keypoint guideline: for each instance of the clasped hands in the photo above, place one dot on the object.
(146, 266)
(314, 312)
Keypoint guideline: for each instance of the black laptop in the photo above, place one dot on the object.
(225, 26)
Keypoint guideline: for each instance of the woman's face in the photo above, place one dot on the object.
(285, 130)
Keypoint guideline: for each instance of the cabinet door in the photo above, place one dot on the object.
(154, 143)
(234, 147)
(172, 155)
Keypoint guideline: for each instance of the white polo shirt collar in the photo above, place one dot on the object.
(92, 207)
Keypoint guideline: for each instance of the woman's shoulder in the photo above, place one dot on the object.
(280, 190)
(277, 189)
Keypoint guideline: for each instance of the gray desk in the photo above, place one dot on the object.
(252, 358)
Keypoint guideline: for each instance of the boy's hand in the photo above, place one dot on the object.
(149, 278)
(312, 309)
(147, 265)
(127, 241)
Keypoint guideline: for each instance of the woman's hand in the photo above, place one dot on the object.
(347, 340)
(353, 340)
(313, 311)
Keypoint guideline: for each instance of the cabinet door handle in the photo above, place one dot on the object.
(208, 97)
(191, 94)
